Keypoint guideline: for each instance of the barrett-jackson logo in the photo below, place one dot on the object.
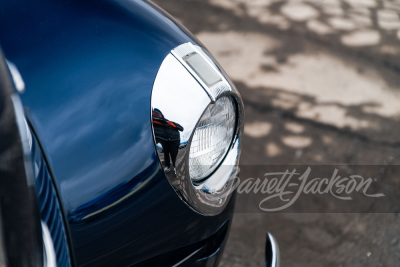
(289, 185)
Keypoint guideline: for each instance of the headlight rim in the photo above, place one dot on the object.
(212, 195)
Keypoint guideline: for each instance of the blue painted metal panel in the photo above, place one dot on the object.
(89, 67)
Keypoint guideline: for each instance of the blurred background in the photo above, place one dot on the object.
(320, 82)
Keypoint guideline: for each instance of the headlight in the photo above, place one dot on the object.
(212, 138)
(197, 120)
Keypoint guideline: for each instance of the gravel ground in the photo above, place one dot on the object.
(320, 85)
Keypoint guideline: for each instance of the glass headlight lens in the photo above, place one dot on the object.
(212, 137)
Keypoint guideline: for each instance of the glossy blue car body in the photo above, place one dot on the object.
(89, 68)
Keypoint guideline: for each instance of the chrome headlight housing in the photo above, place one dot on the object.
(197, 120)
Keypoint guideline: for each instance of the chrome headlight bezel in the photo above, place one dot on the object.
(177, 86)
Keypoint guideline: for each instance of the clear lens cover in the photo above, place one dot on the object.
(212, 137)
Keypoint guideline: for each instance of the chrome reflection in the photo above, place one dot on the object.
(49, 254)
(167, 135)
(187, 84)
(16, 76)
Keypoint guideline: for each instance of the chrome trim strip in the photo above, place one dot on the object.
(272, 255)
(16, 76)
(25, 135)
(186, 258)
(49, 255)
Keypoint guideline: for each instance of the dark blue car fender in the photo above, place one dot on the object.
(89, 68)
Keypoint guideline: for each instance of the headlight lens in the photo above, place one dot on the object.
(212, 138)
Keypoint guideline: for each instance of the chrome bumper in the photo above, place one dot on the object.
(271, 252)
